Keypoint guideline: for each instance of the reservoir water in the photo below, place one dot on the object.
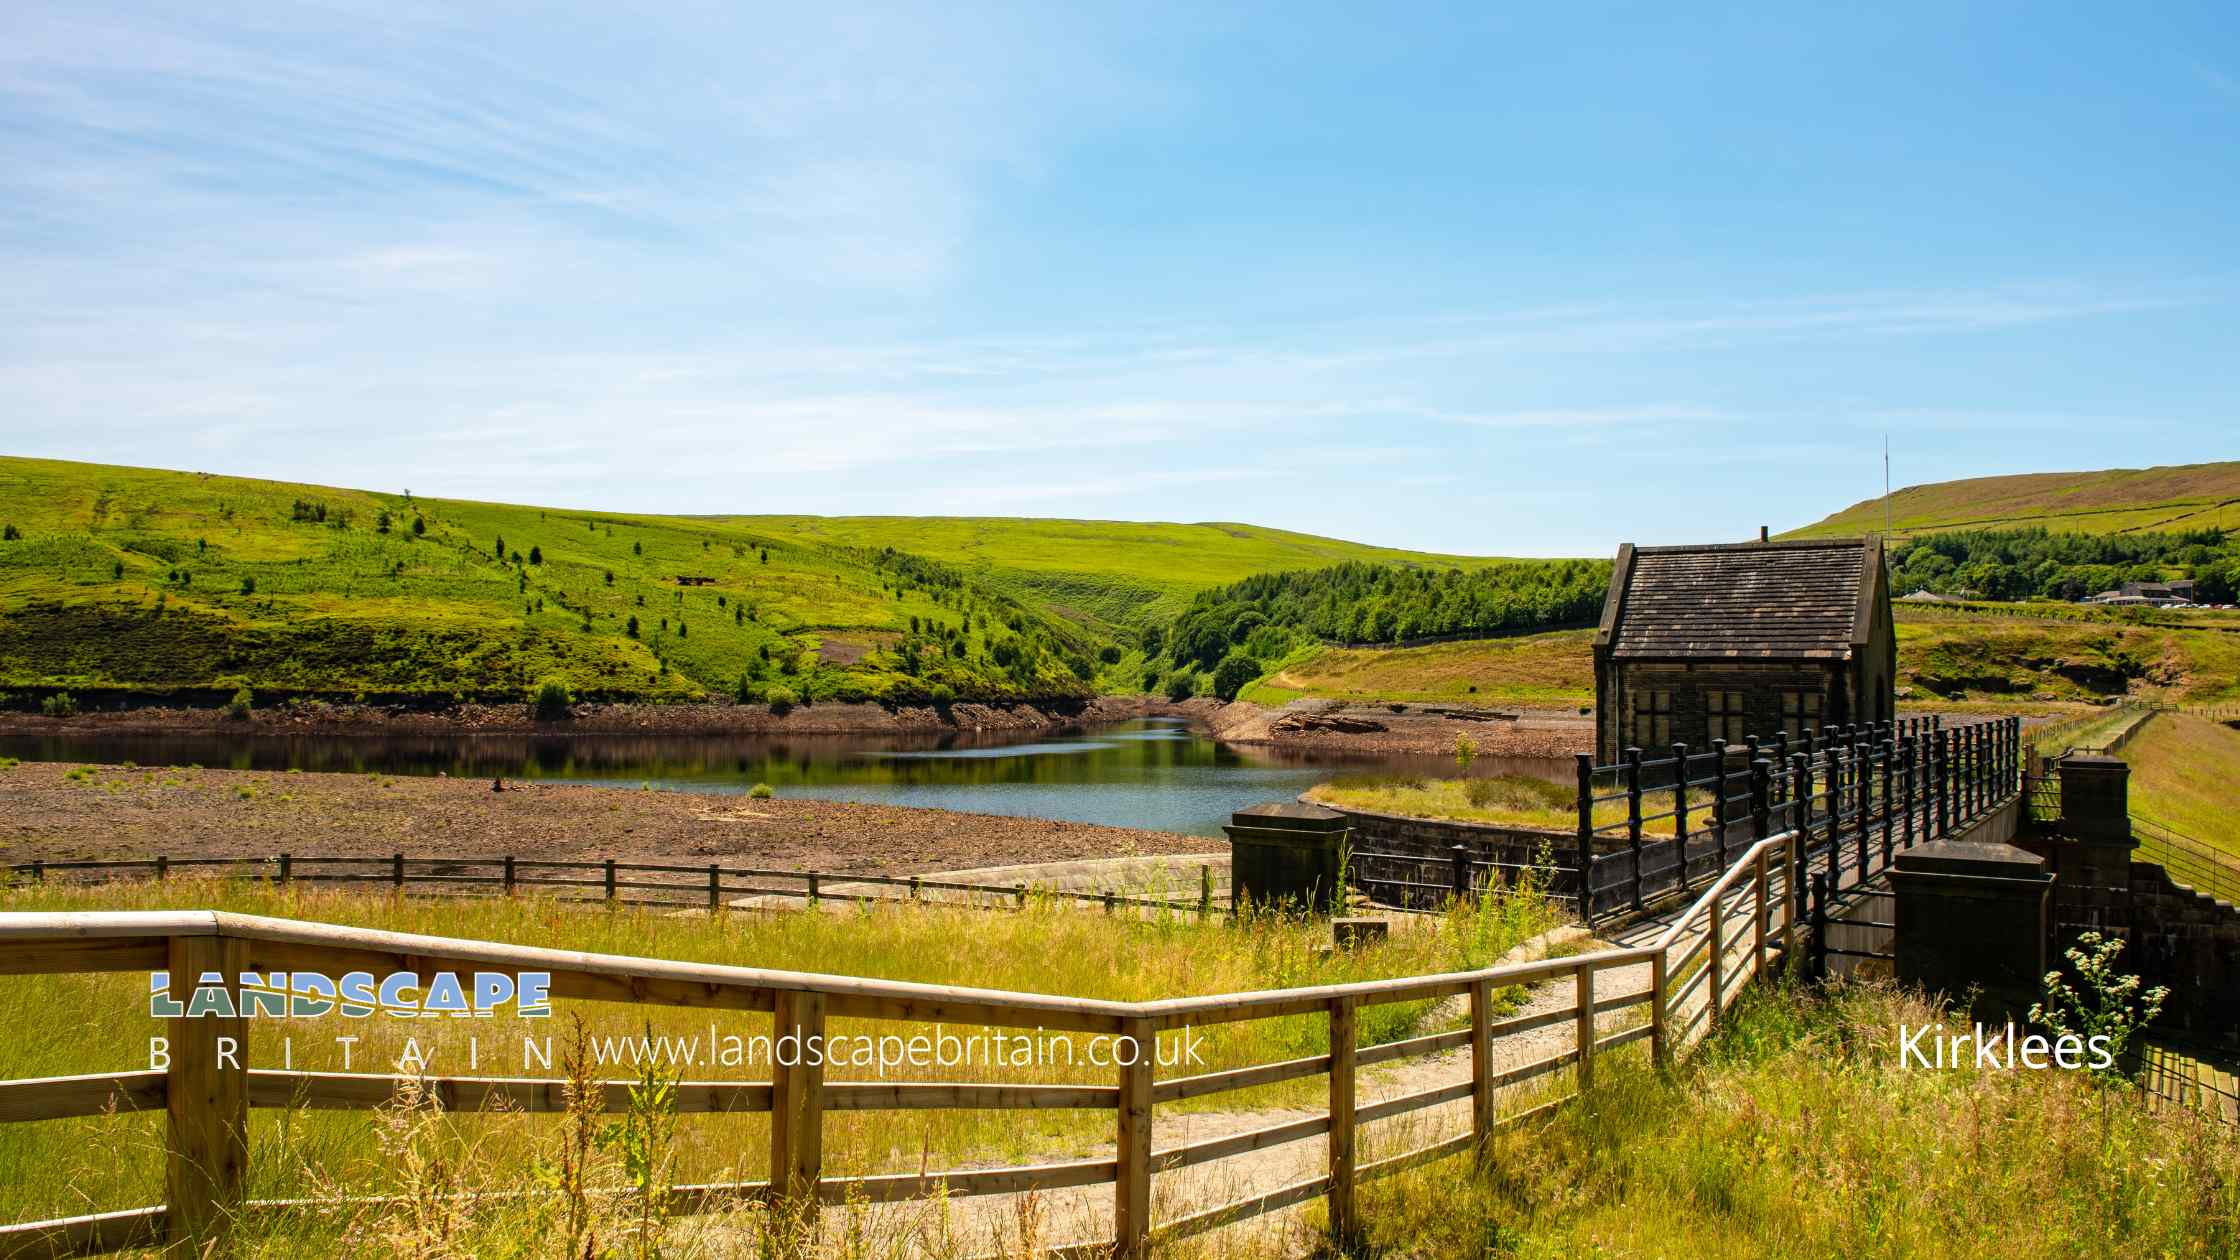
(1154, 774)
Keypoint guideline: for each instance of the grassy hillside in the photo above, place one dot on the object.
(145, 578)
(1110, 573)
(2055, 653)
(2112, 501)
(2183, 769)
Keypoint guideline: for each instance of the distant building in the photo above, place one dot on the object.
(1723, 641)
(2182, 588)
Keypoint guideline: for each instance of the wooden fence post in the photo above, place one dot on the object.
(1460, 873)
(1483, 1103)
(1344, 1033)
(608, 869)
(396, 871)
(1660, 1042)
(206, 1096)
(1131, 1184)
(1583, 1023)
(163, 866)
(286, 862)
(1718, 955)
(1205, 892)
(797, 1102)
(1758, 920)
(511, 889)
(715, 887)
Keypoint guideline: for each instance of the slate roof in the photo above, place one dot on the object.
(1757, 601)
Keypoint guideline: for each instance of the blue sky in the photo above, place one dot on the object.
(1460, 278)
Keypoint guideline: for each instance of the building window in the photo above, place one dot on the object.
(1723, 717)
(1800, 713)
(1652, 719)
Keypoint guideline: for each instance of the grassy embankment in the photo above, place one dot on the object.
(2017, 660)
(61, 1167)
(1798, 1132)
(143, 578)
(2184, 772)
(2116, 500)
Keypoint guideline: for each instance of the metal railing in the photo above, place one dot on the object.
(2187, 861)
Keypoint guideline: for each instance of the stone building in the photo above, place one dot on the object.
(1729, 640)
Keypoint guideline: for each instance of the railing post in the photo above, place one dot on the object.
(1109, 904)
(916, 892)
(287, 862)
(1460, 872)
(511, 887)
(1889, 754)
(1484, 1109)
(1940, 778)
(815, 893)
(1131, 1197)
(163, 867)
(1862, 793)
(38, 870)
(1761, 798)
(715, 887)
(1800, 807)
(1584, 764)
(1680, 809)
(1019, 895)
(1205, 892)
(1758, 919)
(1633, 817)
(1344, 1222)
(1909, 751)
(396, 871)
(206, 1096)
(1819, 926)
(1719, 790)
(797, 1102)
(608, 867)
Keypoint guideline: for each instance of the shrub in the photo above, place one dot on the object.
(550, 701)
(632, 628)
(239, 707)
(1151, 680)
(782, 698)
(942, 693)
(749, 690)
(1181, 685)
(419, 526)
(1109, 654)
(248, 586)
(60, 704)
(761, 792)
(116, 571)
(536, 554)
(9, 533)
(1465, 751)
(1230, 676)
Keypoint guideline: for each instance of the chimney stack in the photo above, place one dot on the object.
(1763, 534)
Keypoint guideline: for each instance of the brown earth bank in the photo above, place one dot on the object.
(1395, 728)
(713, 718)
(56, 811)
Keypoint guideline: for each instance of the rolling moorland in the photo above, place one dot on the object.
(2112, 501)
(133, 579)
(143, 579)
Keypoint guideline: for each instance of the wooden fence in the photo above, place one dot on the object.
(1733, 932)
(621, 883)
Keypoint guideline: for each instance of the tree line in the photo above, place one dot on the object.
(2037, 563)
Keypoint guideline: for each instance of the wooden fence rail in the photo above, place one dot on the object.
(1733, 933)
(622, 883)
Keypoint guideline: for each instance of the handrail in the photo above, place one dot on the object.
(207, 1148)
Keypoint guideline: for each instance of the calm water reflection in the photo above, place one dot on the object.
(1155, 774)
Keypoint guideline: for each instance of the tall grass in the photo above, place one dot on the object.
(89, 1023)
(1797, 1133)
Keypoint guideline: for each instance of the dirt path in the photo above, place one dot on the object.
(1086, 1213)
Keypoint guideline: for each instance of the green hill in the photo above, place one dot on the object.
(2180, 497)
(1105, 573)
(139, 578)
